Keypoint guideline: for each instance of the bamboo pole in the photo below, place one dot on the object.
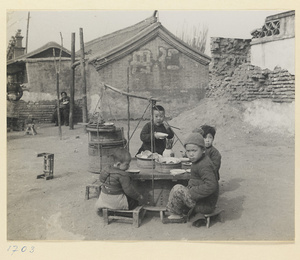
(128, 94)
(72, 88)
(82, 62)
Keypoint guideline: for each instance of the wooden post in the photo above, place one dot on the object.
(82, 62)
(58, 95)
(58, 110)
(27, 31)
(128, 109)
(72, 89)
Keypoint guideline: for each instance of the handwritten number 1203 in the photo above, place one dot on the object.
(14, 249)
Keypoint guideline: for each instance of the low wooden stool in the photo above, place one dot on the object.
(129, 216)
(217, 213)
(96, 187)
(30, 130)
(48, 166)
(161, 210)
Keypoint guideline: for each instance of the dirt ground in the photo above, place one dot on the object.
(256, 186)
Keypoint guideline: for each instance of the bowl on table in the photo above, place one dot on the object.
(161, 135)
(184, 159)
(175, 172)
(133, 171)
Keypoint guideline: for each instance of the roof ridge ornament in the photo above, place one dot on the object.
(156, 15)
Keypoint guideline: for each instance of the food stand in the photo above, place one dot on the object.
(156, 193)
(154, 184)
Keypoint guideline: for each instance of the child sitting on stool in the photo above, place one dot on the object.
(159, 125)
(117, 189)
(208, 133)
(201, 194)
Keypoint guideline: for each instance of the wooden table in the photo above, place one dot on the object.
(156, 186)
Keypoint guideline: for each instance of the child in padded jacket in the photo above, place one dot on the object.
(159, 126)
(202, 191)
(117, 189)
(208, 133)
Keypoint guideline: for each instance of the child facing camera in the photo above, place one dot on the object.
(161, 132)
(117, 189)
(201, 194)
(208, 133)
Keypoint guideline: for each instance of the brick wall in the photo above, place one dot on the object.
(250, 82)
(234, 77)
(42, 111)
(227, 54)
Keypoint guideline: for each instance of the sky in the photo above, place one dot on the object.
(46, 26)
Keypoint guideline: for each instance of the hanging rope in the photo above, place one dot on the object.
(139, 122)
(108, 104)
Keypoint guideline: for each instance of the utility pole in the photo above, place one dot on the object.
(26, 47)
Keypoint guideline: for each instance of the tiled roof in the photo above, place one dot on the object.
(109, 41)
(111, 47)
(47, 46)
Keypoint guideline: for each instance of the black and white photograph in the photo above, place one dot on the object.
(150, 125)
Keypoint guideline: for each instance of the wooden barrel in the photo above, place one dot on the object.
(103, 142)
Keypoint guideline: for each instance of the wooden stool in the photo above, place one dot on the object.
(96, 187)
(161, 210)
(129, 216)
(217, 213)
(30, 130)
(48, 166)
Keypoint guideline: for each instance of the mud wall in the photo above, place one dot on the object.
(39, 96)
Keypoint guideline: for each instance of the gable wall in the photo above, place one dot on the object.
(155, 70)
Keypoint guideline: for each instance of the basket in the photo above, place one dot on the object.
(166, 167)
(145, 163)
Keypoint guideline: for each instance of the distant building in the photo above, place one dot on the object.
(148, 60)
(144, 59)
(274, 44)
(36, 71)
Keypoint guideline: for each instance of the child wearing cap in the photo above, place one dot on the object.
(208, 133)
(202, 191)
(117, 189)
(159, 126)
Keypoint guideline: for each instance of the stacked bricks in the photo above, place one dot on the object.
(42, 111)
(245, 82)
(250, 82)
